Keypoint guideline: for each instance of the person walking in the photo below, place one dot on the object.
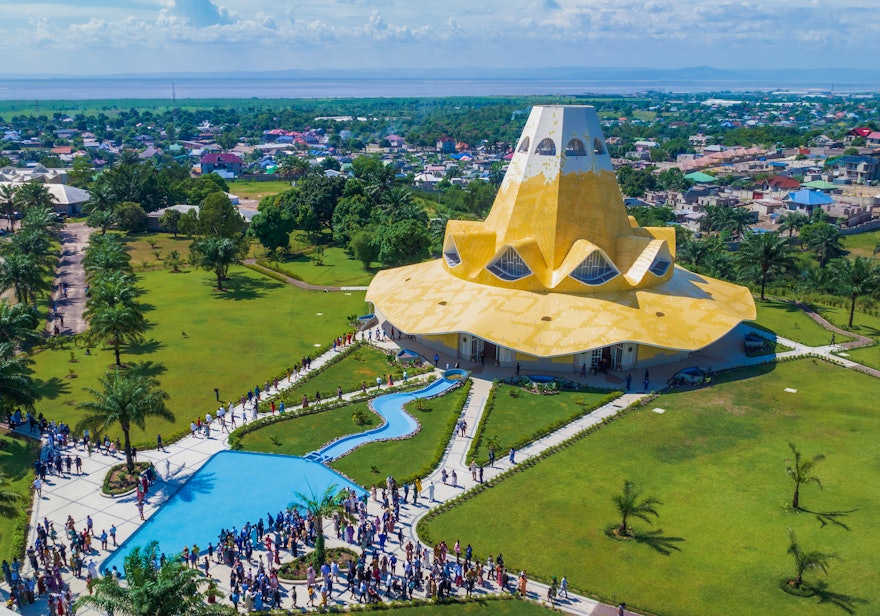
(511, 456)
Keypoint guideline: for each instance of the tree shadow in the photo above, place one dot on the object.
(51, 389)
(239, 287)
(830, 517)
(659, 542)
(847, 603)
(147, 347)
(149, 369)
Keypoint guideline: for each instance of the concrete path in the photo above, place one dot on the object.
(70, 307)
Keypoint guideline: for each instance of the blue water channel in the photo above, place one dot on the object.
(234, 487)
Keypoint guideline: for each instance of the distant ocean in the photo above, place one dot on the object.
(239, 86)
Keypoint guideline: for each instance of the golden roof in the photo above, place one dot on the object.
(558, 267)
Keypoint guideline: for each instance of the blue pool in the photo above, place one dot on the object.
(233, 487)
(398, 423)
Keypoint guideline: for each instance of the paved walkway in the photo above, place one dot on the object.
(74, 240)
(79, 496)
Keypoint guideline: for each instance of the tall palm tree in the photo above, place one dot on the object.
(32, 241)
(152, 588)
(106, 253)
(791, 222)
(25, 274)
(801, 473)
(7, 198)
(216, 254)
(765, 252)
(630, 505)
(116, 325)
(113, 288)
(127, 399)
(737, 221)
(320, 507)
(42, 218)
(857, 277)
(804, 560)
(823, 239)
(16, 384)
(18, 326)
(9, 499)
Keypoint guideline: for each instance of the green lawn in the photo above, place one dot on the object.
(863, 323)
(862, 244)
(361, 365)
(497, 607)
(202, 339)
(248, 189)
(338, 269)
(411, 457)
(788, 321)
(17, 457)
(298, 436)
(716, 459)
(867, 356)
(515, 421)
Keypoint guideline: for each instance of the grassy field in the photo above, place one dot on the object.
(790, 322)
(862, 244)
(407, 458)
(298, 436)
(867, 356)
(363, 364)
(863, 323)
(337, 269)
(201, 339)
(508, 607)
(717, 459)
(248, 189)
(17, 457)
(514, 420)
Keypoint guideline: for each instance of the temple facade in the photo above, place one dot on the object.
(559, 277)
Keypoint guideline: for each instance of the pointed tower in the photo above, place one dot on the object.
(558, 222)
(558, 277)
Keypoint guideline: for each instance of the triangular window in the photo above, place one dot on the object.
(509, 265)
(594, 270)
(660, 265)
(450, 253)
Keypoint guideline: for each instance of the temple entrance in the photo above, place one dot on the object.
(601, 359)
(490, 353)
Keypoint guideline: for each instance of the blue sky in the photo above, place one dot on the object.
(132, 36)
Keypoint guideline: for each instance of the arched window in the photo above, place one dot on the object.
(575, 147)
(546, 147)
(509, 265)
(524, 145)
(450, 253)
(660, 265)
(595, 269)
(598, 146)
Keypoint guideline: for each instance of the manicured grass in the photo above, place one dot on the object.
(867, 356)
(410, 457)
(716, 459)
(516, 416)
(497, 607)
(247, 189)
(789, 321)
(338, 269)
(361, 365)
(17, 457)
(862, 244)
(143, 256)
(863, 323)
(201, 339)
(298, 436)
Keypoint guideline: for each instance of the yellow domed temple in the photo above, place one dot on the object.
(558, 276)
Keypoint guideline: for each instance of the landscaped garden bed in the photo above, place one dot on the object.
(119, 480)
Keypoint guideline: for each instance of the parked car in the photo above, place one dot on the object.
(689, 376)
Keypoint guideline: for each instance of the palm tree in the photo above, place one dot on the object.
(126, 399)
(25, 274)
(18, 326)
(7, 198)
(766, 252)
(804, 560)
(33, 195)
(861, 276)
(631, 505)
(106, 253)
(800, 473)
(216, 254)
(42, 218)
(112, 289)
(16, 385)
(116, 325)
(737, 221)
(320, 507)
(152, 588)
(101, 219)
(824, 240)
(9, 499)
(791, 222)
